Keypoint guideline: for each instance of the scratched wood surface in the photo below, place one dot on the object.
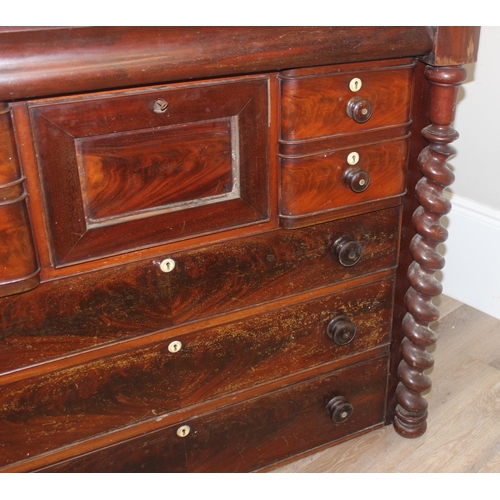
(463, 432)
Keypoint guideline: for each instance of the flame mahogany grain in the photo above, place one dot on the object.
(223, 149)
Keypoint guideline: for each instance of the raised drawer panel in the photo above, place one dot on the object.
(126, 174)
(47, 412)
(336, 179)
(135, 169)
(314, 102)
(70, 314)
(251, 434)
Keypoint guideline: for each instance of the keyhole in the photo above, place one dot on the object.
(183, 431)
(167, 265)
(353, 158)
(355, 84)
(175, 346)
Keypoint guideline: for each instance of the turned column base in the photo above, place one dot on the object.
(408, 424)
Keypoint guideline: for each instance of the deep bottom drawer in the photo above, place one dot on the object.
(254, 433)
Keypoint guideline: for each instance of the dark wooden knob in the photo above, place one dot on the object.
(341, 330)
(359, 109)
(339, 409)
(358, 180)
(347, 250)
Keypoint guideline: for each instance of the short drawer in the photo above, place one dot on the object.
(134, 169)
(335, 179)
(50, 411)
(344, 99)
(254, 433)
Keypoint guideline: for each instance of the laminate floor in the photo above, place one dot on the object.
(463, 433)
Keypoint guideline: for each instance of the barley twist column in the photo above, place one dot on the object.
(411, 412)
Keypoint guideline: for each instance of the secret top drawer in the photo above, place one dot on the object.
(344, 99)
(133, 169)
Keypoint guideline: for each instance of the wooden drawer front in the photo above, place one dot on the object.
(242, 273)
(257, 432)
(287, 422)
(315, 105)
(118, 176)
(252, 434)
(272, 345)
(57, 409)
(321, 182)
(80, 402)
(70, 314)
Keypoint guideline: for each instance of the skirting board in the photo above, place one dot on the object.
(472, 270)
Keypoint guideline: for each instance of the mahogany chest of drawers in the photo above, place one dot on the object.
(218, 244)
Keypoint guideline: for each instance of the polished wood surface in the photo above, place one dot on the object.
(102, 395)
(317, 183)
(315, 102)
(138, 299)
(411, 412)
(221, 222)
(19, 269)
(463, 434)
(136, 178)
(246, 436)
(130, 56)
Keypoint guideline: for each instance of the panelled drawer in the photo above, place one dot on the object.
(335, 179)
(251, 434)
(329, 101)
(50, 411)
(70, 314)
(134, 169)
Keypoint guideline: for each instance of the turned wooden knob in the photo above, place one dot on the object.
(341, 330)
(359, 109)
(347, 250)
(339, 409)
(358, 180)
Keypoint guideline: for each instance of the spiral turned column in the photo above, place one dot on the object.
(411, 412)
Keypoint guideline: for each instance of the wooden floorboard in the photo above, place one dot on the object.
(463, 432)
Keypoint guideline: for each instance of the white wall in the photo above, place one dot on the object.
(472, 252)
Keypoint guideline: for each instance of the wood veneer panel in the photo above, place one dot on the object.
(63, 60)
(117, 176)
(316, 183)
(18, 258)
(315, 105)
(46, 412)
(251, 434)
(70, 314)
